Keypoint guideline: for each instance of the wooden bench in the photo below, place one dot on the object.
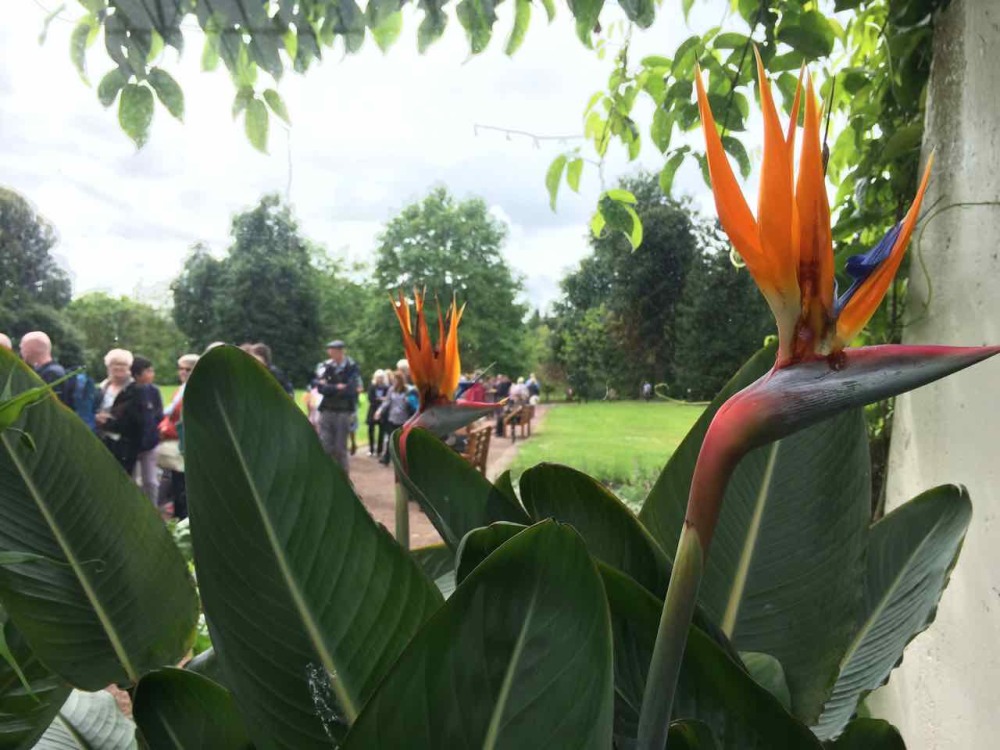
(520, 416)
(477, 450)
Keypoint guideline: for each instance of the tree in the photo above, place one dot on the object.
(637, 289)
(265, 289)
(721, 320)
(451, 247)
(344, 304)
(34, 289)
(108, 322)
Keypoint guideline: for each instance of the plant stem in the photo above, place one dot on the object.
(402, 515)
(671, 638)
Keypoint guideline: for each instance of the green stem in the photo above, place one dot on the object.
(671, 638)
(402, 515)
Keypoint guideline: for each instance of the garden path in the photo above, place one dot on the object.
(374, 484)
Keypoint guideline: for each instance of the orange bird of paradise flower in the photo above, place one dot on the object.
(789, 251)
(788, 247)
(435, 368)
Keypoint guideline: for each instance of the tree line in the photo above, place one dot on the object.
(674, 312)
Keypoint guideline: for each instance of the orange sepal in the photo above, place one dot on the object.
(859, 310)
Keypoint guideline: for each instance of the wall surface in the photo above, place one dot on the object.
(946, 694)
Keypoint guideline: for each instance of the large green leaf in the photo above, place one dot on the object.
(180, 710)
(434, 559)
(114, 597)
(868, 734)
(89, 721)
(520, 657)
(785, 570)
(455, 497)
(25, 710)
(713, 687)
(308, 600)
(910, 555)
(611, 530)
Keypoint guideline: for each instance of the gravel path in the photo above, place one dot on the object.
(374, 485)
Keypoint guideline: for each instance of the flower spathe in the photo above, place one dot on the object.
(435, 369)
(788, 247)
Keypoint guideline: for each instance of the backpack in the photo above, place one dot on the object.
(80, 394)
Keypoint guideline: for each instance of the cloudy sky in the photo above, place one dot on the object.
(370, 133)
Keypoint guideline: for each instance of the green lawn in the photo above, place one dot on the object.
(624, 444)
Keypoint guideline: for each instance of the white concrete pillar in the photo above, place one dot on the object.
(946, 693)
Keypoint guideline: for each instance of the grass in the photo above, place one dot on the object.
(624, 444)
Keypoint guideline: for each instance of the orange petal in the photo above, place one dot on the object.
(815, 242)
(867, 298)
(734, 213)
(794, 122)
(776, 213)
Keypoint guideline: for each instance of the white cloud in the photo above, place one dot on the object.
(371, 133)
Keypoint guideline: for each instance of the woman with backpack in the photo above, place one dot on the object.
(397, 408)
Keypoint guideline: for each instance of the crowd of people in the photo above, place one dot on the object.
(125, 409)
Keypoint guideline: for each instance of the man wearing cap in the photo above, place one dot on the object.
(337, 380)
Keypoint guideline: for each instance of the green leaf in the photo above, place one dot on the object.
(620, 216)
(89, 720)
(802, 504)
(730, 40)
(686, 7)
(121, 601)
(574, 169)
(82, 37)
(387, 31)
(480, 543)
(769, 674)
(432, 26)
(586, 13)
(550, 9)
(209, 665)
(455, 497)
(690, 734)
(210, 52)
(175, 708)
(669, 170)
(903, 141)
(30, 695)
(611, 531)
(735, 148)
(522, 17)
(621, 196)
(244, 95)
(328, 640)
(110, 85)
(643, 12)
(435, 559)
(713, 687)
(135, 112)
(256, 124)
(910, 556)
(168, 92)
(274, 101)
(809, 33)
(869, 734)
(597, 223)
(663, 124)
(553, 177)
(487, 671)
(477, 18)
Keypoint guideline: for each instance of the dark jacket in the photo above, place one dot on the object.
(375, 395)
(282, 379)
(152, 413)
(338, 384)
(123, 432)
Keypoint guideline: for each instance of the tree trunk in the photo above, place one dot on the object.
(945, 694)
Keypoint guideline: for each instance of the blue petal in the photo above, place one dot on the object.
(860, 267)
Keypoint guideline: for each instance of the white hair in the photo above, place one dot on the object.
(118, 357)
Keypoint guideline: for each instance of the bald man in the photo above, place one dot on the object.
(5, 342)
(36, 351)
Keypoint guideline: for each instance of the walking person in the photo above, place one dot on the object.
(152, 412)
(119, 416)
(337, 381)
(376, 393)
(396, 408)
